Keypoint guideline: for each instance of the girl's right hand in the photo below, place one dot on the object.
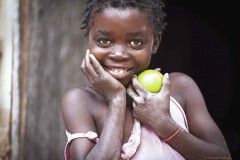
(100, 80)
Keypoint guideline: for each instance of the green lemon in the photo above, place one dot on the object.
(151, 80)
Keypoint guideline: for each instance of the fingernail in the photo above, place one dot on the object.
(88, 51)
(166, 74)
(91, 55)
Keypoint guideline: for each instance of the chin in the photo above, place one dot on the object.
(125, 83)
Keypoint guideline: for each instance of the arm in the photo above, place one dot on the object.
(110, 142)
(204, 140)
(79, 117)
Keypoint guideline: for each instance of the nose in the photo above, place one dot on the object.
(119, 54)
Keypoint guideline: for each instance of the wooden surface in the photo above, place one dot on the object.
(56, 48)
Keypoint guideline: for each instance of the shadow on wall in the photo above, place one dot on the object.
(190, 46)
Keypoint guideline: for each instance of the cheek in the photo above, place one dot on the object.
(143, 60)
(97, 52)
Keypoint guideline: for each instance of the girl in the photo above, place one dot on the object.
(115, 117)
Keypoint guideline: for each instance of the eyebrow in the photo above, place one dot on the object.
(138, 33)
(108, 33)
(103, 32)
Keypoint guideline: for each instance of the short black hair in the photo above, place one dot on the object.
(154, 9)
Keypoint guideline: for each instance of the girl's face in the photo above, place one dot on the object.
(123, 41)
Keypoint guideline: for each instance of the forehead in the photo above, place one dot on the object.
(122, 18)
(124, 13)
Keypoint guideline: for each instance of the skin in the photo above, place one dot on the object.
(121, 43)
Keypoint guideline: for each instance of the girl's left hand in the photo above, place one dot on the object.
(150, 107)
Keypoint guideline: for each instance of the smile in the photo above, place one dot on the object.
(117, 72)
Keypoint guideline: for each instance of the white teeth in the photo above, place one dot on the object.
(118, 71)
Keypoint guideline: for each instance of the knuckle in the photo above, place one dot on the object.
(82, 67)
(102, 78)
(141, 101)
(87, 65)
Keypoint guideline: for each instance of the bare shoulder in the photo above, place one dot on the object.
(77, 95)
(80, 93)
(79, 100)
(78, 109)
(183, 86)
(181, 79)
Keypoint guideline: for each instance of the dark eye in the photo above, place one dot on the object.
(104, 42)
(136, 44)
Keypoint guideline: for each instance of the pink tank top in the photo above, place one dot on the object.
(143, 143)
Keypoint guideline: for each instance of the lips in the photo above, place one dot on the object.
(118, 72)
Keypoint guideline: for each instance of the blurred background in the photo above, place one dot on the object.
(42, 46)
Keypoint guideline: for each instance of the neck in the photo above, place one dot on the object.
(129, 102)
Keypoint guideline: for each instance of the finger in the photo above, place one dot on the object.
(83, 65)
(96, 65)
(88, 63)
(136, 108)
(87, 67)
(131, 92)
(166, 84)
(138, 87)
(136, 98)
(87, 57)
(158, 69)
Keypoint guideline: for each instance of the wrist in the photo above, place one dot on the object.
(117, 109)
(174, 134)
(119, 98)
(167, 128)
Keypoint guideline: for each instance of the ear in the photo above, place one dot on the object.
(157, 40)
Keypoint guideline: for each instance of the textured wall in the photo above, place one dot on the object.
(56, 48)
